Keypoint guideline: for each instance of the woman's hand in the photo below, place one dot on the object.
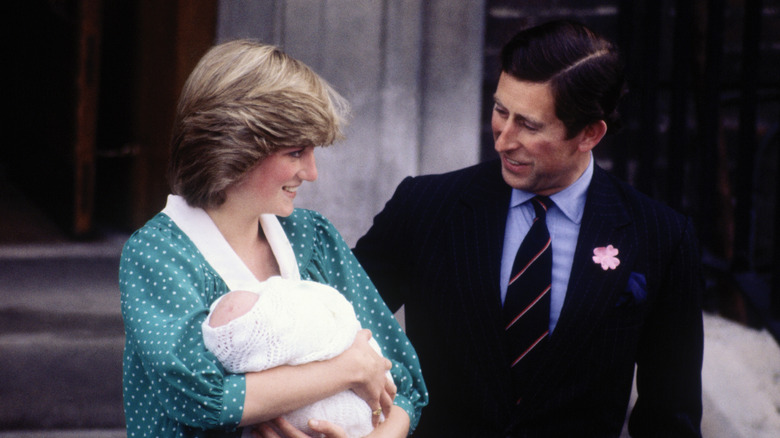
(281, 428)
(396, 425)
(276, 391)
(370, 381)
(360, 368)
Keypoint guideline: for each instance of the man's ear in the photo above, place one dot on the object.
(591, 135)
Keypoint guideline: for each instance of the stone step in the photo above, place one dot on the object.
(61, 340)
(76, 433)
(60, 380)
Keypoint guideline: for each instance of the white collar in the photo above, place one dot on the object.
(199, 227)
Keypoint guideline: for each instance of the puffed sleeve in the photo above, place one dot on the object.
(165, 289)
(324, 256)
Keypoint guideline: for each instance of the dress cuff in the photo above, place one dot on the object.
(233, 400)
(404, 403)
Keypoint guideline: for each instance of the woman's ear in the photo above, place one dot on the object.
(591, 135)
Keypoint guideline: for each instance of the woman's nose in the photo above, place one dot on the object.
(309, 171)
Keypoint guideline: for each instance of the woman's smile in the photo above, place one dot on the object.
(291, 189)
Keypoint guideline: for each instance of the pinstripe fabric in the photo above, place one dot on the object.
(436, 249)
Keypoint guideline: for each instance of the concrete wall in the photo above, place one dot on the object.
(412, 70)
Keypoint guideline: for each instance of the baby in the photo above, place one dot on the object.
(289, 322)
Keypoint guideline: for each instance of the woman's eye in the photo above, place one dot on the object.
(296, 153)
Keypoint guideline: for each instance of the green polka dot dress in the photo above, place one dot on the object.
(173, 387)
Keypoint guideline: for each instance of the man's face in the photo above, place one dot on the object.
(535, 154)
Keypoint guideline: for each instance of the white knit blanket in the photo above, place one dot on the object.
(294, 322)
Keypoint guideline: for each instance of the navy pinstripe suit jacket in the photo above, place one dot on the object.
(436, 249)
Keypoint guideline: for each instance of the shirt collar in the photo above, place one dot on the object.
(571, 200)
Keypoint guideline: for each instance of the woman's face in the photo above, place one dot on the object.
(271, 185)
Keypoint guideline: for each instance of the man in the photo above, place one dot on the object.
(623, 286)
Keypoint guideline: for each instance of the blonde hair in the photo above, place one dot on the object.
(242, 102)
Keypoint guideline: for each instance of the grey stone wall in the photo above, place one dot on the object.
(412, 71)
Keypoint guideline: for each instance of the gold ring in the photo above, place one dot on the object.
(377, 412)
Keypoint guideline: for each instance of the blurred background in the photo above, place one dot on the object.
(90, 98)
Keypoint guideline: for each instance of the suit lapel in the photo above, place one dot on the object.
(478, 221)
(591, 290)
(604, 223)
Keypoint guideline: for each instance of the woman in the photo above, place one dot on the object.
(243, 142)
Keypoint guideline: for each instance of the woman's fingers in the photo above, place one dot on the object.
(264, 430)
(277, 428)
(376, 416)
(370, 368)
(391, 388)
(387, 403)
(327, 428)
(288, 429)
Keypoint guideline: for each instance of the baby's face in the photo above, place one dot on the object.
(233, 305)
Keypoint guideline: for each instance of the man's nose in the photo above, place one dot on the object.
(506, 137)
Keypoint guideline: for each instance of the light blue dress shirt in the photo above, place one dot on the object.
(563, 222)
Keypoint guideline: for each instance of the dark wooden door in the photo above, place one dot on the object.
(92, 90)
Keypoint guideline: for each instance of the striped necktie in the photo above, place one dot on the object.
(527, 304)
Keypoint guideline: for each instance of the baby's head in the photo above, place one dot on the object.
(232, 305)
(226, 329)
(283, 322)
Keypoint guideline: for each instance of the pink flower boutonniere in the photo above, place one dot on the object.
(606, 257)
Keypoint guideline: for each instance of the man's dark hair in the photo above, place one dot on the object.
(584, 71)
